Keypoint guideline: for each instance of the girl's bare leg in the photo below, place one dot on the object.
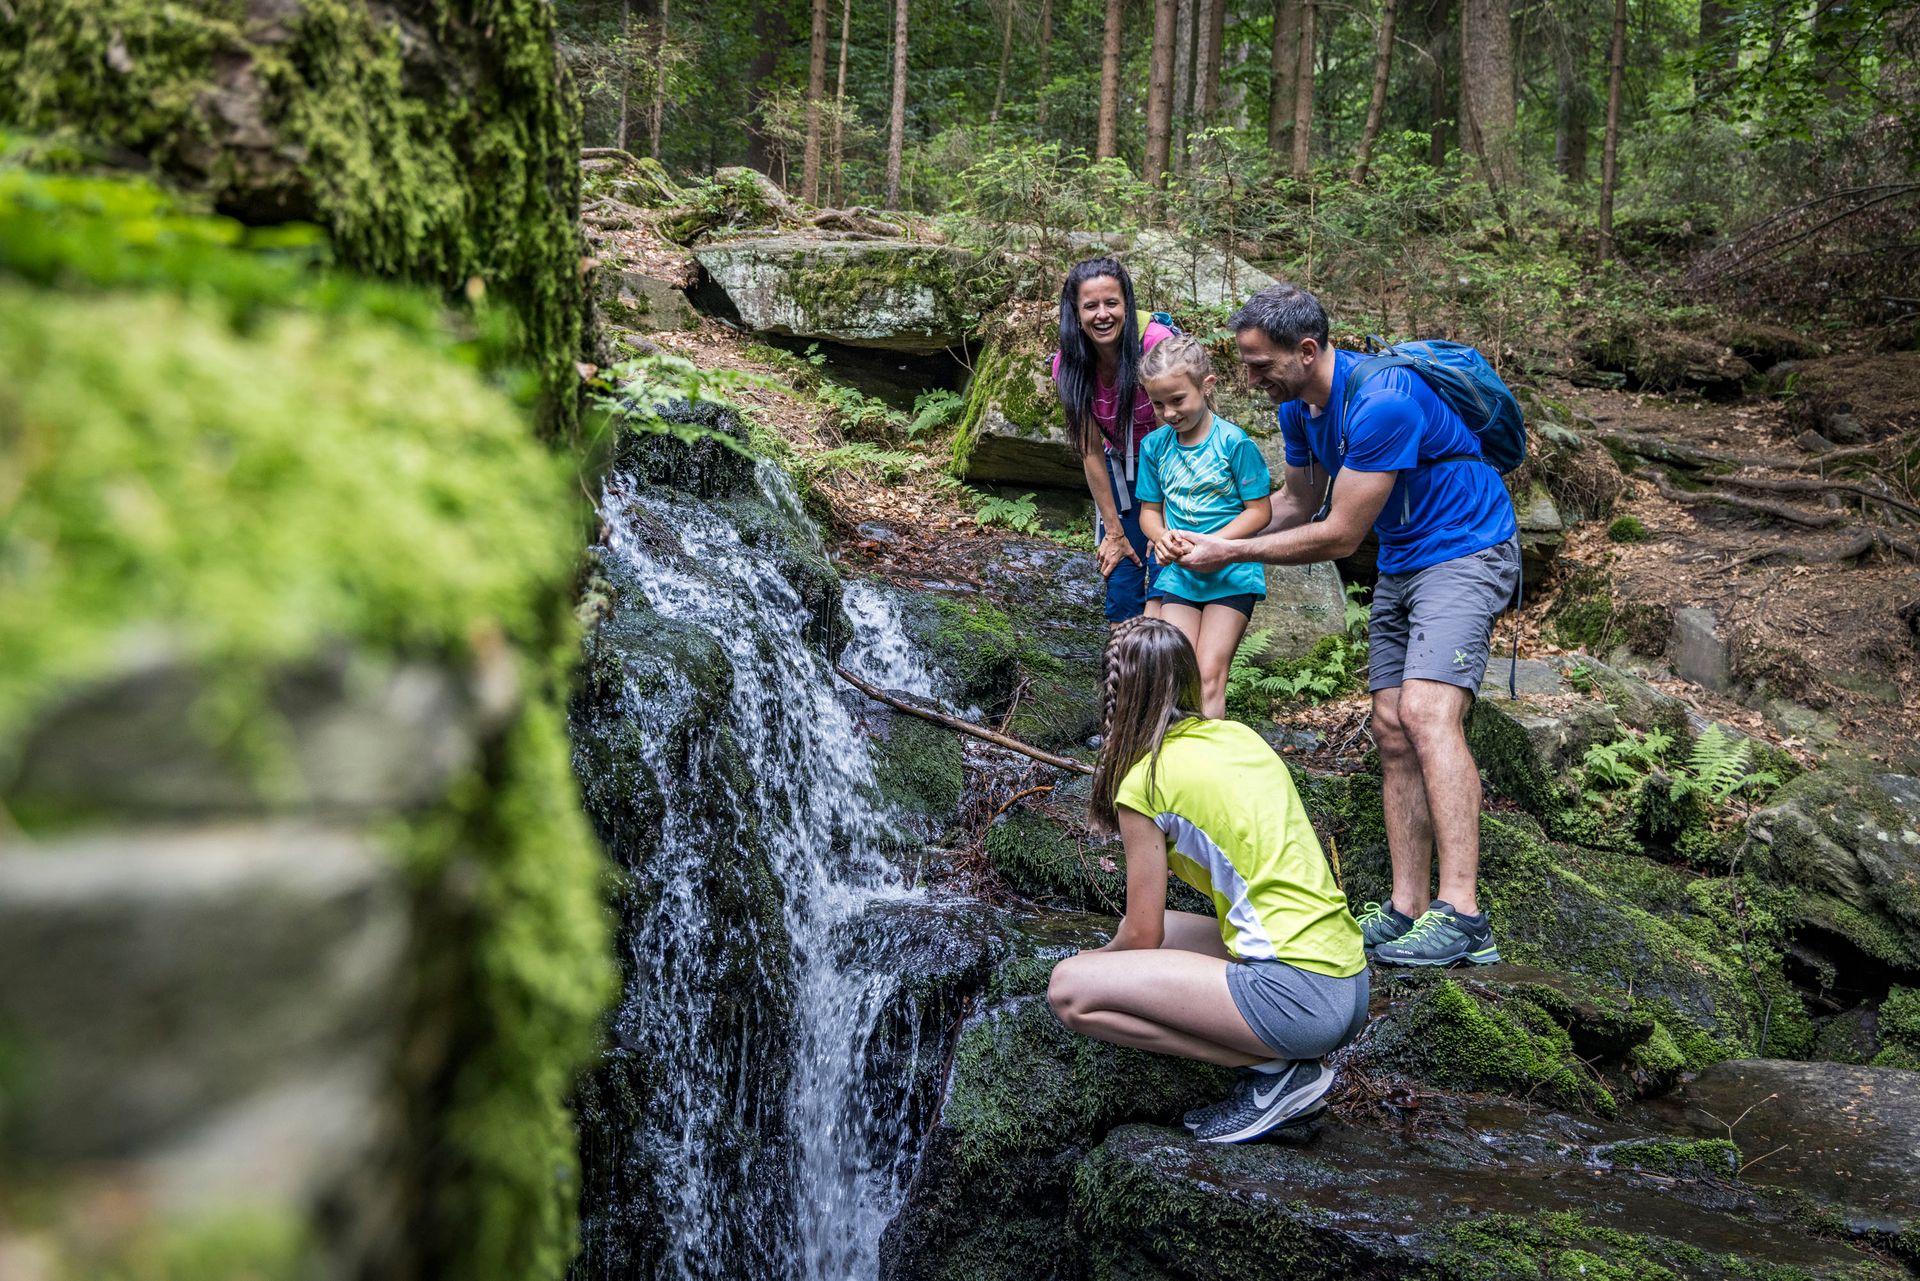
(1219, 636)
(1191, 932)
(1161, 999)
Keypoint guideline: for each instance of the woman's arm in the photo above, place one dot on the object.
(1113, 548)
(1145, 924)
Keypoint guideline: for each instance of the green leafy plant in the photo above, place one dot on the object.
(1018, 514)
(1719, 768)
(934, 410)
(632, 394)
(1628, 759)
(861, 456)
(1581, 677)
(856, 414)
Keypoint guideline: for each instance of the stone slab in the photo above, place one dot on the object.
(1700, 653)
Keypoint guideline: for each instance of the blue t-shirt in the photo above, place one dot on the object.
(1396, 422)
(1203, 487)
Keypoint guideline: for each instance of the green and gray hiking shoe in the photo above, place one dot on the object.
(1382, 923)
(1442, 936)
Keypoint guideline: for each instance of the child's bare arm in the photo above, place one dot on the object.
(1145, 924)
(1255, 515)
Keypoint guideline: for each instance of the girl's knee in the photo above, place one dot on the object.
(1065, 993)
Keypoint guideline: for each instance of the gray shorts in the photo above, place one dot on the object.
(1436, 624)
(1299, 1014)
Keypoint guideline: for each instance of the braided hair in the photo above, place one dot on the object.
(1079, 368)
(1152, 684)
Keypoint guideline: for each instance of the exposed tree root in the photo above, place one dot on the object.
(1826, 519)
(1656, 449)
(1859, 543)
(1767, 485)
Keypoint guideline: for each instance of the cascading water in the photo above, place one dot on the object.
(755, 1114)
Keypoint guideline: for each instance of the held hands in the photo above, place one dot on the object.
(1197, 552)
(1113, 549)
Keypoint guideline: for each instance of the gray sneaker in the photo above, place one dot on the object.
(1441, 937)
(1381, 923)
(1265, 1101)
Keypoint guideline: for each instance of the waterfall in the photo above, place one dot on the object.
(752, 1118)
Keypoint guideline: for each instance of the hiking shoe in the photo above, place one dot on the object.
(1382, 923)
(1265, 1101)
(1442, 936)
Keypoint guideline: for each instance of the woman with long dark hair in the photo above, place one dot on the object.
(1272, 982)
(1097, 372)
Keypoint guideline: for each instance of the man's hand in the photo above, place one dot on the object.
(1203, 552)
(1113, 549)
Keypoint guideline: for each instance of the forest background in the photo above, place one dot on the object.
(1759, 155)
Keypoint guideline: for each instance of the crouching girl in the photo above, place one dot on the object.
(1275, 979)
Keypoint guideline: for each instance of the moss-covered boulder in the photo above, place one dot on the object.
(441, 147)
(1012, 430)
(899, 295)
(1849, 837)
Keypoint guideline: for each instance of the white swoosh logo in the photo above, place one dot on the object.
(1262, 1100)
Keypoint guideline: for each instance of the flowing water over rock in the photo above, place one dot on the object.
(754, 1115)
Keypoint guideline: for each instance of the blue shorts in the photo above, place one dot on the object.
(1128, 584)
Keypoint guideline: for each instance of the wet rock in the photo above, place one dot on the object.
(1842, 1135)
(1466, 1193)
(900, 295)
(1850, 839)
(151, 978)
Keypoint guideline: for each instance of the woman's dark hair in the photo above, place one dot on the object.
(1153, 683)
(1079, 373)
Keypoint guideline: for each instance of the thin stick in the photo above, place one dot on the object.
(964, 727)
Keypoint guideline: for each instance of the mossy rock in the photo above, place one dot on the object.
(920, 770)
(441, 151)
(1045, 857)
(1011, 430)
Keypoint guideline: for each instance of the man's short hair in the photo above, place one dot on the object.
(1286, 314)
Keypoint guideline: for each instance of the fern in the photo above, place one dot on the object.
(1356, 613)
(1018, 514)
(860, 456)
(854, 413)
(933, 410)
(1623, 761)
(1718, 768)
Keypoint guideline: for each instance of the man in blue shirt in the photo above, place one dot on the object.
(1399, 461)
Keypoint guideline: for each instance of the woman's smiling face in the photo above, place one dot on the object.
(1103, 315)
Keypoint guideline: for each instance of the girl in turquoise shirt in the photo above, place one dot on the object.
(1199, 472)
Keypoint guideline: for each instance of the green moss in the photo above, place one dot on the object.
(1041, 858)
(1693, 1158)
(262, 484)
(413, 177)
(1900, 1021)
(1628, 529)
(248, 1246)
(1010, 373)
(920, 770)
(1583, 614)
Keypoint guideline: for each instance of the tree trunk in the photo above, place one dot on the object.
(1160, 93)
(1109, 83)
(1616, 74)
(1570, 121)
(816, 94)
(840, 105)
(769, 30)
(1486, 84)
(1006, 53)
(1210, 60)
(658, 115)
(1377, 104)
(897, 120)
(626, 71)
(1285, 66)
(1303, 95)
(1046, 52)
(1714, 17)
(1185, 29)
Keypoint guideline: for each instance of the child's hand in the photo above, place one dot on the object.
(1166, 550)
(1178, 544)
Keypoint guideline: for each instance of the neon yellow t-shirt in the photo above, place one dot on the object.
(1237, 832)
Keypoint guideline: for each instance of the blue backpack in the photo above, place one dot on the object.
(1463, 380)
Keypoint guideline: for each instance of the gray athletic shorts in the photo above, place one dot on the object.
(1299, 1014)
(1436, 624)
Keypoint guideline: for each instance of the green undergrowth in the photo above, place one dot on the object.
(256, 478)
(472, 189)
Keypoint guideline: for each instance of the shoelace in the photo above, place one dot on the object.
(1371, 912)
(1431, 921)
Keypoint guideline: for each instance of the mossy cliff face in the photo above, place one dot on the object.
(244, 482)
(436, 142)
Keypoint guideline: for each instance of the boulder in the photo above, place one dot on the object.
(899, 295)
(150, 979)
(1542, 531)
(1304, 603)
(1525, 746)
(638, 303)
(1169, 272)
(1700, 652)
(1849, 838)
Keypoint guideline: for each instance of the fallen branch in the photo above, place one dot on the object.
(961, 726)
(1019, 796)
(1657, 450)
(1758, 506)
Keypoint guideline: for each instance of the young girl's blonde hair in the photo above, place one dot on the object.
(1180, 354)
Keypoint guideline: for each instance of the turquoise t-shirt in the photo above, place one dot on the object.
(1204, 487)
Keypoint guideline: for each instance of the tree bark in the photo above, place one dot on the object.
(897, 119)
(1046, 53)
(1616, 74)
(1186, 42)
(1006, 54)
(1208, 28)
(1570, 119)
(840, 105)
(1303, 95)
(1714, 17)
(1283, 69)
(1160, 93)
(816, 94)
(1486, 84)
(658, 115)
(626, 71)
(1377, 104)
(1104, 146)
(769, 30)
